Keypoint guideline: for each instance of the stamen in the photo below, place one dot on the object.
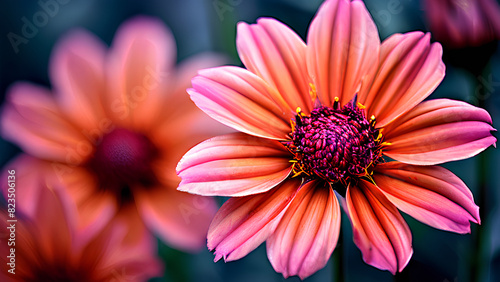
(336, 103)
(335, 144)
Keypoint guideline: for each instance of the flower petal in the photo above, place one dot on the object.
(77, 72)
(54, 220)
(379, 230)
(343, 46)
(174, 102)
(243, 223)
(28, 172)
(95, 205)
(277, 54)
(125, 250)
(410, 69)
(439, 131)
(431, 194)
(179, 218)
(308, 232)
(234, 165)
(241, 100)
(141, 58)
(32, 120)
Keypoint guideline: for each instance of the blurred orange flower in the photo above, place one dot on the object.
(48, 247)
(113, 131)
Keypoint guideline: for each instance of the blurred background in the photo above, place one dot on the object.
(473, 75)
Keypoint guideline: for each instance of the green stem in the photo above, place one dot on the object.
(338, 260)
(481, 192)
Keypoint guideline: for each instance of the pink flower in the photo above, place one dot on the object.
(463, 23)
(48, 246)
(114, 129)
(305, 139)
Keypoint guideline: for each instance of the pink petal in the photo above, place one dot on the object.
(380, 231)
(54, 220)
(141, 58)
(410, 69)
(439, 131)
(241, 100)
(180, 219)
(32, 120)
(77, 72)
(243, 223)
(27, 176)
(277, 54)
(343, 47)
(234, 165)
(431, 194)
(174, 102)
(308, 232)
(124, 249)
(95, 205)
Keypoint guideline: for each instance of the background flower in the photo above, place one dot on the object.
(211, 25)
(49, 247)
(463, 23)
(114, 129)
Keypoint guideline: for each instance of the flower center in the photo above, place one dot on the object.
(123, 158)
(335, 144)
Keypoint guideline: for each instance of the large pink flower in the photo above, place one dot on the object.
(48, 246)
(463, 23)
(321, 119)
(114, 129)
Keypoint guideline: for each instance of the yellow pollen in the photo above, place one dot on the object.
(313, 92)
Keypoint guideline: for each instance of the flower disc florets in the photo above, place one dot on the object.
(335, 143)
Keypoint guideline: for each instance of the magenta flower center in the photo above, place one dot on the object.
(122, 159)
(335, 144)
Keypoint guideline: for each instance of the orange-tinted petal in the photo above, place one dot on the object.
(308, 232)
(410, 69)
(431, 194)
(277, 54)
(77, 72)
(32, 119)
(179, 218)
(54, 223)
(241, 100)
(379, 230)
(343, 46)
(234, 165)
(243, 223)
(439, 131)
(141, 58)
(123, 251)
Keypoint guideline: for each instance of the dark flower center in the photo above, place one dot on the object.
(123, 159)
(335, 144)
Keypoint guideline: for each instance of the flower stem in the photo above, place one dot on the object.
(338, 260)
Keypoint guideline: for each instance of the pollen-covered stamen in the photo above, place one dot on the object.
(335, 144)
(122, 159)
